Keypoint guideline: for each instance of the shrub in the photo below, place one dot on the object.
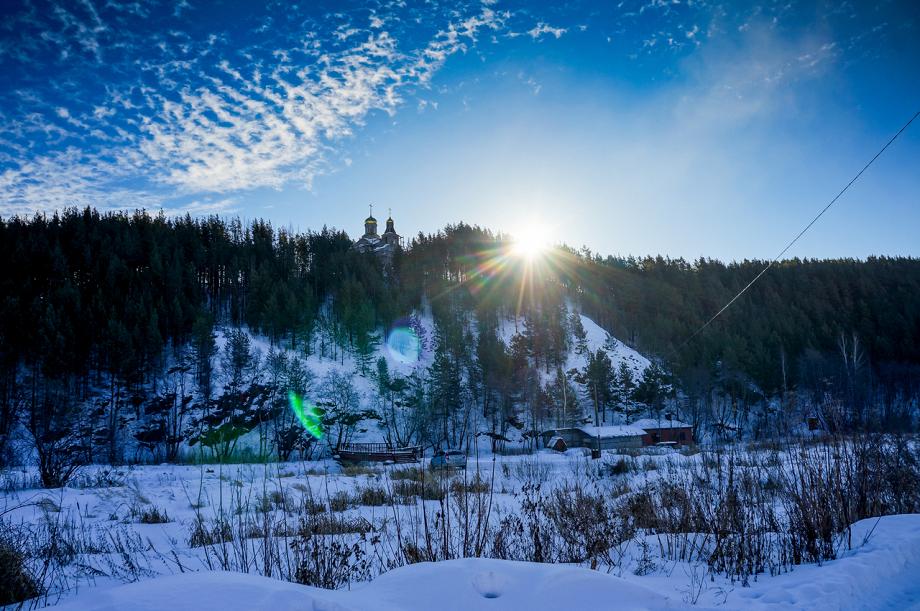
(622, 466)
(416, 474)
(202, 535)
(328, 524)
(273, 499)
(16, 582)
(101, 478)
(329, 563)
(532, 470)
(476, 485)
(428, 490)
(373, 496)
(340, 501)
(150, 515)
(357, 469)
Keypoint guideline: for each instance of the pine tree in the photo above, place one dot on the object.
(626, 388)
(597, 378)
(578, 332)
(203, 349)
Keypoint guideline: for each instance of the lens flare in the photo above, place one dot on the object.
(532, 241)
(310, 416)
(403, 344)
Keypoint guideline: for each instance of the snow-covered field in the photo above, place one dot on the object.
(103, 517)
(882, 574)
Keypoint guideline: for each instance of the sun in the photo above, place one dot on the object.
(531, 242)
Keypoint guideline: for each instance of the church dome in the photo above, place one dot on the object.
(370, 220)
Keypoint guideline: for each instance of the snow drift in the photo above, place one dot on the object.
(881, 573)
(454, 585)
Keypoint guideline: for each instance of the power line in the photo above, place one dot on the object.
(800, 234)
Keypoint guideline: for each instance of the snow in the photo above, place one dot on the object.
(618, 351)
(652, 423)
(621, 430)
(879, 572)
(597, 338)
(883, 572)
(453, 585)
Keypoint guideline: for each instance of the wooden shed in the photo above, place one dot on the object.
(664, 430)
(612, 437)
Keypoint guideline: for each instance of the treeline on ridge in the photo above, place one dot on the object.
(96, 300)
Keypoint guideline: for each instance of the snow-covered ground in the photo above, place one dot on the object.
(882, 571)
(452, 585)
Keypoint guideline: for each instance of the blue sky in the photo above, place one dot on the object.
(683, 128)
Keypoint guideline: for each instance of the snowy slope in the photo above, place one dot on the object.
(618, 351)
(455, 585)
(597, 338)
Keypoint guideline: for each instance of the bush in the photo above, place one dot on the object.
(101, 478)
(355, 470)
(373, 496)
(326, 524)
(329, 563)
(340, 501)
(150, 515)
(622, 466)
(532, 470)
(476, 485)
(16, 582)
(428, 490)
(202, 535)
(415, 474)
(273, 499)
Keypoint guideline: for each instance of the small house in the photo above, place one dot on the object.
(664, 430)
(611, 437)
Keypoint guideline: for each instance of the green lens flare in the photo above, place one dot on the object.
(309, 415)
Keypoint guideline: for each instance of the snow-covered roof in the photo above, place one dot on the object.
(617, 430)
(662, 423)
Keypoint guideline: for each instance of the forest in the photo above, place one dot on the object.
(112, 317)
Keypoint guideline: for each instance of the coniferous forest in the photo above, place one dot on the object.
(112, 318)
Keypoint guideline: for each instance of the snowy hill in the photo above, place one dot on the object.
(421, 329)
(618, 351)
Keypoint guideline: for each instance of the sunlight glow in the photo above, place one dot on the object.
(532, 241)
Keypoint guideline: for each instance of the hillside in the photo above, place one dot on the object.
(114, 333)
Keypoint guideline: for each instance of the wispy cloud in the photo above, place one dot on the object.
(215, 121)
(542, 29)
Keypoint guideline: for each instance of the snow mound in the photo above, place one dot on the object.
(881, 572)
(454, 585)
(479, 583)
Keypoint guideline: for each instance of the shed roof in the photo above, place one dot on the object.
(660, 423)
(619, 430)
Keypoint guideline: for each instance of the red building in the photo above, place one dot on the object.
(665, 431)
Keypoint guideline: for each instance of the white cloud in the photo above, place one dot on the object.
(542, 28)
(243, 126)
